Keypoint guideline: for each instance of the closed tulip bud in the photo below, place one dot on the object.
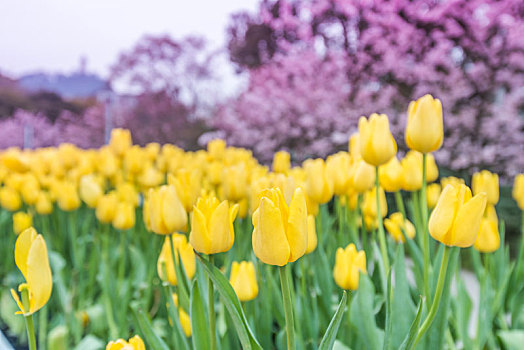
(318, 187)
(396, 225)
(124, 217)
(183, 251)
(90, 190)
(456, 219)
(488, 182)
(377, 145)
(369, 206)
(488, 239)
(354, 146)
(32, 260)
(106, 208)
(10, 199)
(212, 225)
(433, 193)
(451, 180)
(338, 171)
(362, 176)
(244, 280)
(185, 321)
(390, 175)
(280, 231)
(412, 170)
(425, 127)
(67, 196)
(188, 186)
(235, 184)
(518, 191)
(165, 211)
(22, 221)
(120, 141)
(134, 343)
(348, 264)
(216, 148)
(311, 234)
(281, 162)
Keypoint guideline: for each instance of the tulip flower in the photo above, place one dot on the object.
(43, 205)
(456, 219)
(134, 343)
(15, 160)
(185, 321)
(311, 234)
(67, 196)
(425, 127)
(216, 148)
(280, 231)
(377, 145)
(338, 171)
(348, 264)
(318, 187)
(21, 221)
(488, 182)
(235, 182)
(106, 208)
(433, 194)
(518, 190)
(188, 186)
(391, 176)
(183, 251)
(369, 205)
(488, 239)
(10, 199)
(354, 146)
(396, 225)
(451, 180)
(281, 162)
(164, 211)
(124, 217)
(30, 189)
(412, 170)
(362, 176)
(90, 190)
(32, 260)
(120, 141)
(244, 281)
(126, 192)
(212, 225)
(150, 177)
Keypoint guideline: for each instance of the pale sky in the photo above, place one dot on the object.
(52, 35)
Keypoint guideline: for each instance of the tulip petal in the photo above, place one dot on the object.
(22, 246)
(219, 228)
(199, 236)
(442, 217)
(39, 278)
(467, 223)
(297, 225)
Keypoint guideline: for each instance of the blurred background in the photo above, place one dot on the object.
(265, 75)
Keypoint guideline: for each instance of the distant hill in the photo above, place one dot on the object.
(75, 85)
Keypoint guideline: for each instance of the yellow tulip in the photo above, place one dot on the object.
(214, 172)
(165, 211)
(182, 249)
(150, 177)
(518, 191)
(488, 239)
(456, 219)
(425, 127)
(43, 205)
(338, 171)
(280, 231)
(433, 193)
(120, 141)
(235, 184)
(22, 221)
(90, 190)
(396, 223)
(126, 192)
(188, 186)
(124, 217)
(134, 343)
(107, 163)
(348, 264)
(30, 189)
(354, 146)
(216, 148)
(362, 176)
(106, 208)
(281, 162)
(244, 280)
(134, 160)
(311, 234)
(412, 170)
(185, 321)
(212, 225)
(67, 196)
(10, 199)
(451, 180)
(377, 145)
(488, 182)
(369, 205)
(390, 175)
(32, 260)
(318, 187)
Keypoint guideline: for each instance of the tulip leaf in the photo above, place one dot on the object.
(199, 323)
(413, 330)
(232, 304)
(512, 339)
(462, 306)
(153, 341)
(331, 333)
(180, 338)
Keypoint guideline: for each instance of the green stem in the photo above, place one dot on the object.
(425, 237)
(42, 328)
(381, 234)
(400, 204)
(113, 329)
(211, 302)
(288, 308)
(438, 294)
(30, 327)
(122, 260)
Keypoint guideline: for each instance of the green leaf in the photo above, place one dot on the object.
(232, 304)
(413, 330)
(179, 335)
(512, 340)
(199, 323)
(462, 306)
(331, 333)
(152, 339)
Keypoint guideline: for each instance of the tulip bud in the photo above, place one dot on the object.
(456, 219)
(488, 182)
(67, 196)
(488, 239)
(30, 189)
(362, 176)
(338, 172)
(377, 144)
(188, 186)
(183, 251)
(185, 321)
(311, 234)
(120, 141)
(433, 193)
(244, 281)
(396, 223)
(21, 221)
(425, 127)
(90, 190)
(348, 264)
(280, 231)
(165, 211)
(354, 146)
(10, 199)
(390, 175)
(235, 182)
(134, 160)
(518, 191)
(281, 162)
(318, 188)
(124, 217)
(106, 208)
